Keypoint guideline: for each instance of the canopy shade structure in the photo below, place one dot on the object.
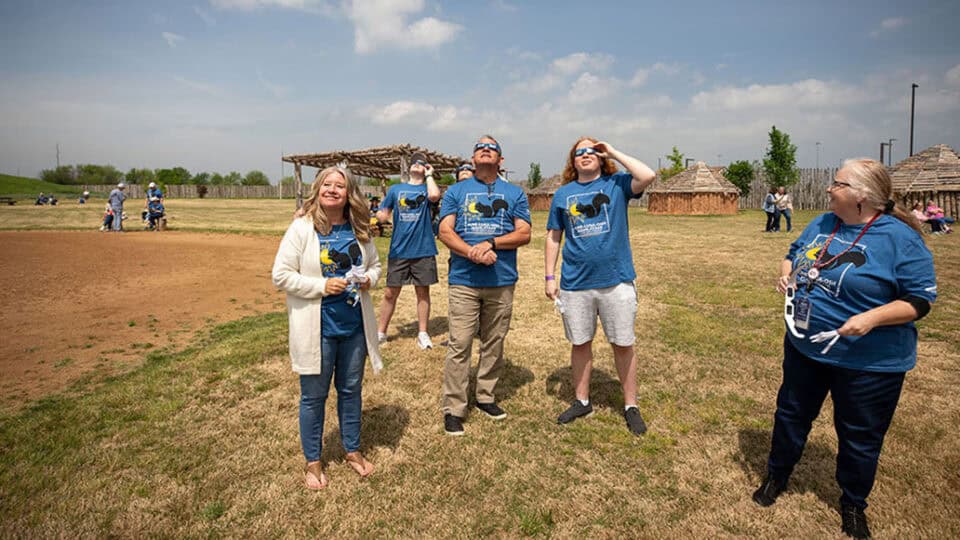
(380, 162)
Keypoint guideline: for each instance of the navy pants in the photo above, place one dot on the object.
(863, 406)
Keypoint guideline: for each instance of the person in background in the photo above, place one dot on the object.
(83, 197)
(116, 198)
(53, 200)
(939, 222)
(153, 191)
(41, 200)
(855, 281)
(770, 208)
(464, 171)
(108, 218)
(597, 278)
(327, 263)
(155, 212)
(483, 220)
(784, 207)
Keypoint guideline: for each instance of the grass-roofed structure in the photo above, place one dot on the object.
(699, 190)
(380, 162)
(931, 174)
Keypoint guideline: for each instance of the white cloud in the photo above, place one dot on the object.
(424, 115)
(581, 61)
(889, 25)
(312, 6)
(806, 93)
(203, 87)
(379, 23)
(172, 39)
(204, 16)
(589, 87)
(953, 76)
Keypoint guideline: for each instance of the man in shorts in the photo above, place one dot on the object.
(590, 209)
(413, 250)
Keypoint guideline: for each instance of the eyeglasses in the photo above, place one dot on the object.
(419, 162)
(464, 168)
(487, 145)
(587, 150)
(837, 184)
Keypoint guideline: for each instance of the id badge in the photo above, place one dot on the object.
(801, 312)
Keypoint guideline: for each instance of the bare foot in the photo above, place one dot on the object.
(360, 464)
(313, 476)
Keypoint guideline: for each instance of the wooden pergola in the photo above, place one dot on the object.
(380, 162)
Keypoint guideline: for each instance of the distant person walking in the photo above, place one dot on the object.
(117, 196)
(413, 249)
(153, 191)
(770, 207)
(784, 208)
(483, 220)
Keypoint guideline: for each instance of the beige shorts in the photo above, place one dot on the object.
(616, 307)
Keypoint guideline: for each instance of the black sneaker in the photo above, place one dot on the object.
(575, 411)
(769, 490)
(492, 410)
(854, 522)
(452, 425)
(635, 421)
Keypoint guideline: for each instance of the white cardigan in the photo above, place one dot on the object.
(297, 271)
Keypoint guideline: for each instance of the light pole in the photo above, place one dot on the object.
(913, 98)
(687, 162)
(881, 152)
(890, 152)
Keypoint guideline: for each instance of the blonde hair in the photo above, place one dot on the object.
(868, 178)
(607, 166)
(356, 211)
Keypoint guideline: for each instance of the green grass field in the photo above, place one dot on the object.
(27, 189)
(203, 442)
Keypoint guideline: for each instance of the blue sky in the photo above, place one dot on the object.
(221, 85)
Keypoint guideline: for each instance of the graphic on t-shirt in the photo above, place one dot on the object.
(483, 213)
(588, 213)
(410, 203)
(335, 263)
(828, 280)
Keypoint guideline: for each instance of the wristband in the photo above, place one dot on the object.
(492, 242)
(549, 278)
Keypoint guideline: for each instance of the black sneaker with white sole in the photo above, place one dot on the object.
(635, 422)
(492, 410)
(452, 425)
(576, 410)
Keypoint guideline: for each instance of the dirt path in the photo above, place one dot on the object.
(73, 303)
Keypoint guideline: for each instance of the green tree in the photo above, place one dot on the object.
(64, 174)
(174, 176)
(534, 177)
(446, 180)
(287, 180)
(255, 178)
(780, 163)
(741, 174)
(98, 174)
(233, 178)
(677, 164)
(200, 179)
(141, 176)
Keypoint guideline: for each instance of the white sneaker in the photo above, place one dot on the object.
(381, 338)
(423, 341)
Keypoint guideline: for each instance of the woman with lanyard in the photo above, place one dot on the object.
(854, 281)
(327, 263)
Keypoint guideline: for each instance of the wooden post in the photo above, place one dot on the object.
(298, 183)
(404, 170)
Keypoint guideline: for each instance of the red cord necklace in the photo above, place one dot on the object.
(814, 271)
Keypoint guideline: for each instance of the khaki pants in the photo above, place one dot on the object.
(485, 308)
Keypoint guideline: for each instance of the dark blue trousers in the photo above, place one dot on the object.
(863, 406)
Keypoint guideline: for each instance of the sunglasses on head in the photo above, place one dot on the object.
(585, 151)
(487, 145)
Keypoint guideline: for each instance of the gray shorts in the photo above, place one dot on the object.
(422, 272)
(616, 306)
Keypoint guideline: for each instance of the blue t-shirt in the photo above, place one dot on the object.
(484, 211)
(412, 236)
(155, 208)
(339, 251)
(154, 192)
(890, 261)
(593, 218)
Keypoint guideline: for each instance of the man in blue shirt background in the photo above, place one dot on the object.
(483, 220)
(413, 250)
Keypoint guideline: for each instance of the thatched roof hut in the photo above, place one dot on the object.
(541, 196)
(699, 190)
(931, 174)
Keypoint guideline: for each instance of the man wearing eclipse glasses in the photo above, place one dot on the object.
(483, 220)
(413, 251)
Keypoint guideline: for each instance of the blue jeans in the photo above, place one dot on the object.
(863, 406)
(786, 214)
(343, 360)
(118, 219)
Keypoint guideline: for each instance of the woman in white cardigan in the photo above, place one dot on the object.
(327, 263)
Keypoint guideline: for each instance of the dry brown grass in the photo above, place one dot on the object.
(205, 442)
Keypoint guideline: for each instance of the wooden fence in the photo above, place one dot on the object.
(189, 191)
